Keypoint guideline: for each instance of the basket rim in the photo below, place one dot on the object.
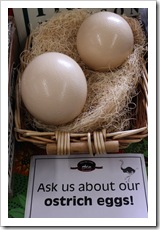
(26, 133)
(124, 138)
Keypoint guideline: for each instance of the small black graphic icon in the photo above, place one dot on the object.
(86, 166)
(128, 170)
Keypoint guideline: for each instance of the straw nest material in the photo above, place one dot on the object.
(109, 102)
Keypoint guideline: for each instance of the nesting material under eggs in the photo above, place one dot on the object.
(109, 102)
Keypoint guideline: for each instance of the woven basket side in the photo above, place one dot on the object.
(97, 142)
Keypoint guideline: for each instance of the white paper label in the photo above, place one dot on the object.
(113, 185)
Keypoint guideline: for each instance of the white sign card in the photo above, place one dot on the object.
(108, 186)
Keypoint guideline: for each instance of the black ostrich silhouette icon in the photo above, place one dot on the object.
(128, 170)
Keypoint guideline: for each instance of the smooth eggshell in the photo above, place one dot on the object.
(104, 41)
(54, 88)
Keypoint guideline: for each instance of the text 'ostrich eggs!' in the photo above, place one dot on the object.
(104, 41)
(54, 88)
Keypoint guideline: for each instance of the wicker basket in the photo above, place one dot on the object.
(97, 142)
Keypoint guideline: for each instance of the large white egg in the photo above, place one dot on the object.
(54, 88)
(104, 41)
